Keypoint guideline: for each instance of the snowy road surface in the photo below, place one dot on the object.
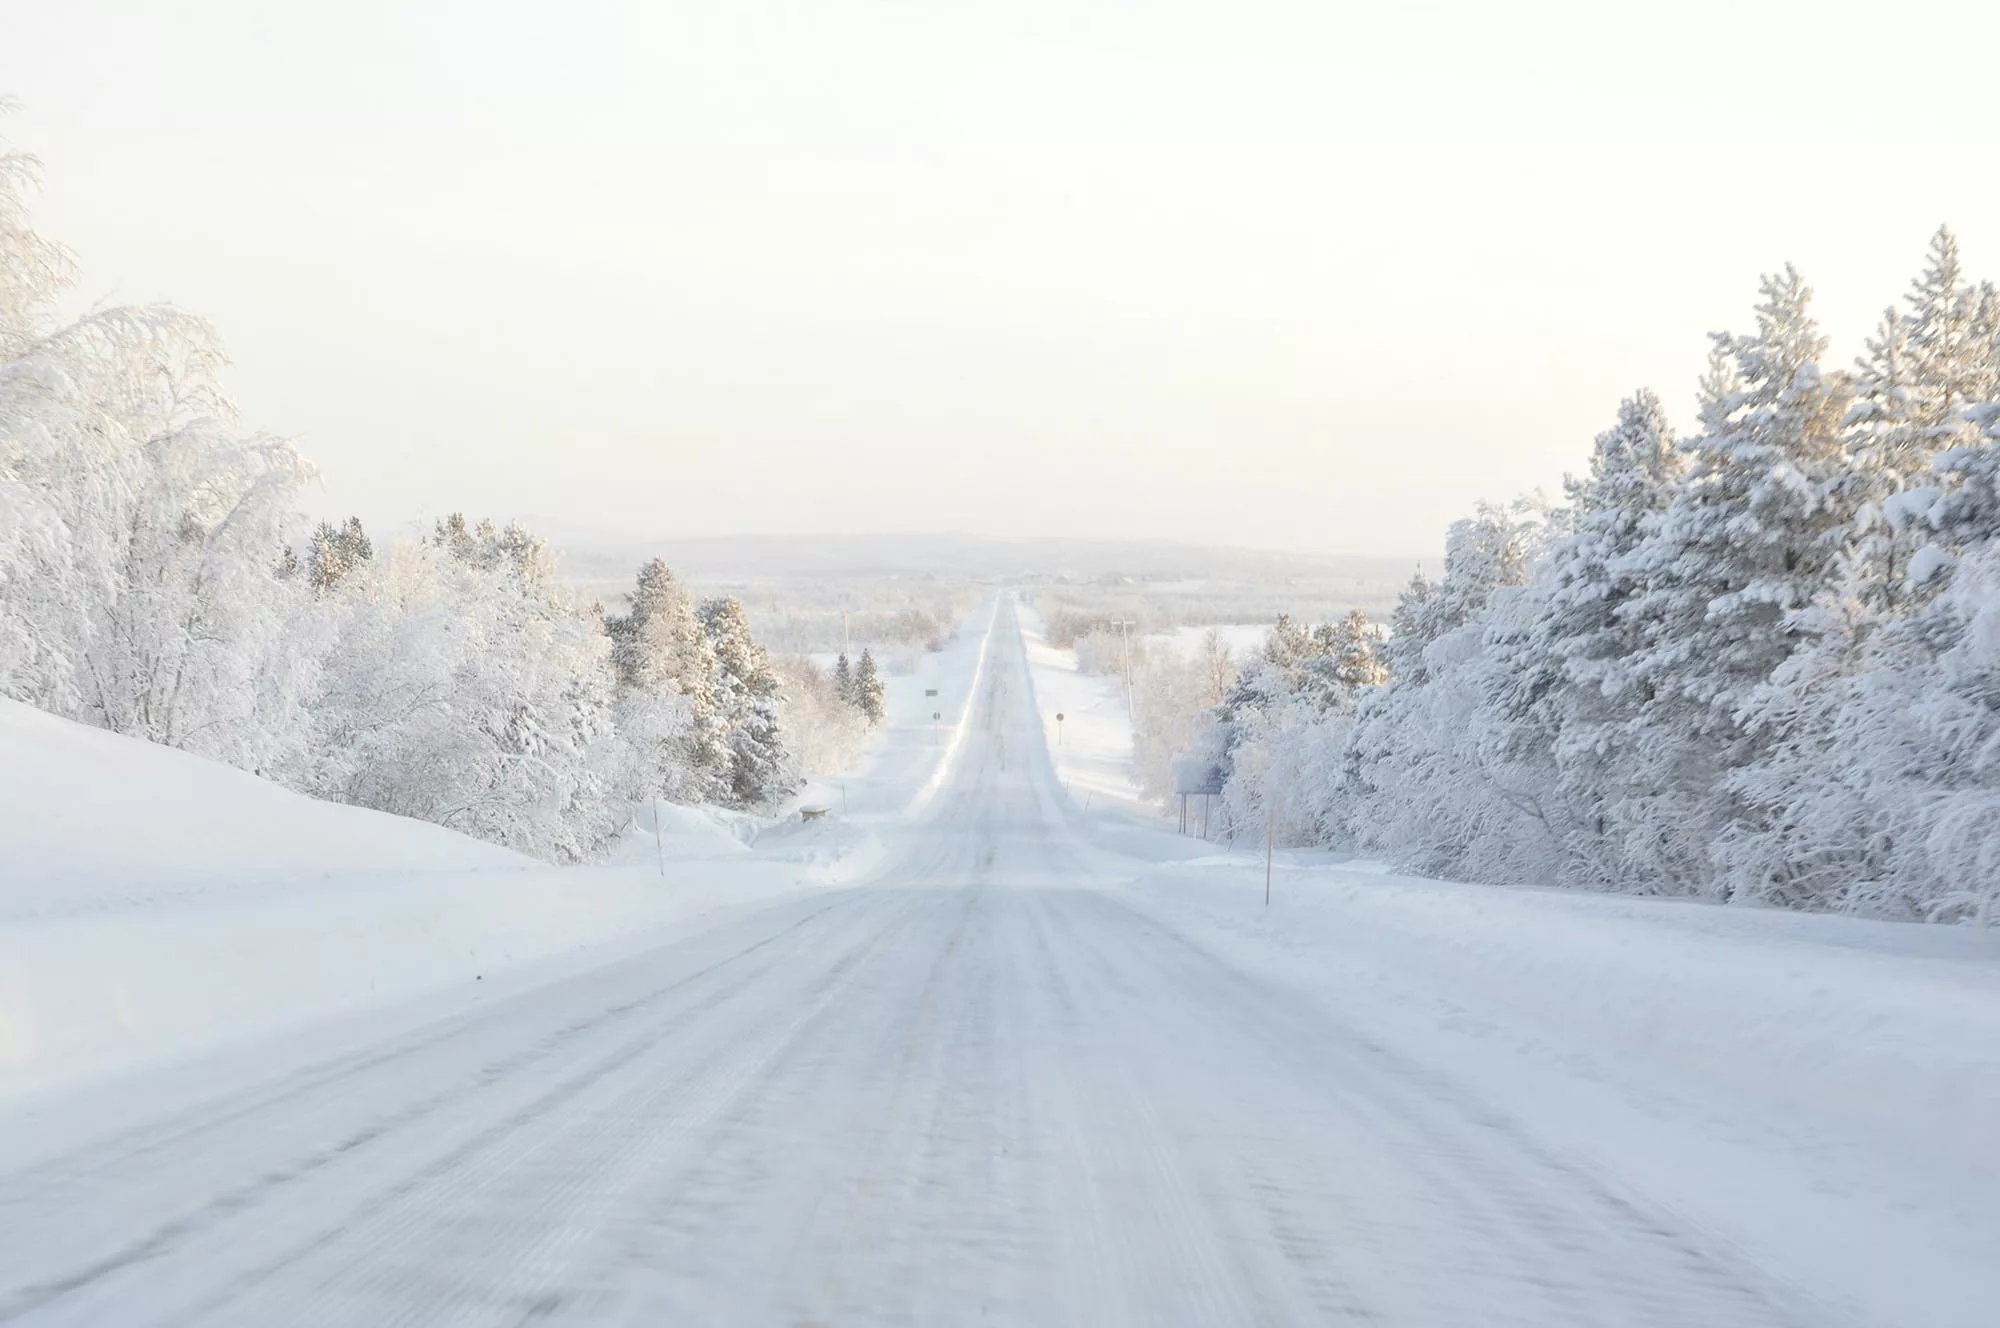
(984, 1088)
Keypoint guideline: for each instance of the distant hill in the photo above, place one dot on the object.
(749, 559)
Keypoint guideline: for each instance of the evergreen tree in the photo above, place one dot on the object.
(1354, 650)
(335, 552)
(1925, 368)
(1965, 515)
(1732, 570)
(1561, 690)
(1752, 534)
(868, 692)
(1340, 661)
(660, 650)
(843, 680)
(1409, 627)
(747, 696)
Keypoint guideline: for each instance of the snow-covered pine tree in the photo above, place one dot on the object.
(1820, 821)
(667, 678)
(1354, 649)
(1420, 783)
(1562, 690)
(1731, 573)
(843, 680)
(760, 769)
(657, 644)
(1962, 514)
(335, 551)
(868, 691)
(1923, 369)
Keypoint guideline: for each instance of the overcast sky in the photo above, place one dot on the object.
(1308, 275)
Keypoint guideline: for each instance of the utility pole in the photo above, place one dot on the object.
(1125, 650)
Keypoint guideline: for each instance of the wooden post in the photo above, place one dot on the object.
(659, 839)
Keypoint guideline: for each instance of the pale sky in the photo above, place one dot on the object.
(1305, 275)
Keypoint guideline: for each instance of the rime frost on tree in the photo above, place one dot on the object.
(1756, 664)
(747, 703)
(867, 689)
(334, 552)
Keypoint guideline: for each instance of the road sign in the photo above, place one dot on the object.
(936, 715)
(1059, 716)
(1197, 778)
(930, 691)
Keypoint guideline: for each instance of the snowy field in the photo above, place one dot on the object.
(1092, 745)
(1037, 1060)
(1243, 639)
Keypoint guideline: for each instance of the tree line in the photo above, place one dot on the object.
(1760, 662)
(155, 580)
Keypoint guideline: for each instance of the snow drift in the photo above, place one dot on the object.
(152, 902)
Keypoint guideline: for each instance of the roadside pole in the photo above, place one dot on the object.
(1270, 839)
(1125, 653)
(659, 838)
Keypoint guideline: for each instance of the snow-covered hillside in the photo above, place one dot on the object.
(153, 902)
(97, 821)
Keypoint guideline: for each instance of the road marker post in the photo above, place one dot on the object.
(1270, 840)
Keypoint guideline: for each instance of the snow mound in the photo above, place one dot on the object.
(833, 850)
(154, 904)
(91, 820)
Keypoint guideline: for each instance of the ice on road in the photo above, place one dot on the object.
(983, 1088)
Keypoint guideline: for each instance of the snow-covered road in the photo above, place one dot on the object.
(985, 1087)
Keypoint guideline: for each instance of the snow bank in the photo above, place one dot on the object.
(93, 820)
(153, 903)
(1854, 1062)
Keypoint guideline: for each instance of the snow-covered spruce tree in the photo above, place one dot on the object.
(1926, 366)
(1885, 798)
(867, 689)
(843, 680)
(668, 678)
(761, 770)
(1731, 573)
(1918, 746)
(1561, 688)
(1345, 659)
(1280, 731)
(335, 551)
(1430, 781)
(1821, 825)
(140, 530)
